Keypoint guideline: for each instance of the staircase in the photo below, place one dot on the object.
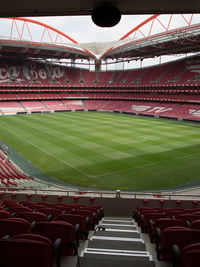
(116, 243)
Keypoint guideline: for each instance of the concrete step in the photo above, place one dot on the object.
(118, 233)
(116, 243)
(99, 260)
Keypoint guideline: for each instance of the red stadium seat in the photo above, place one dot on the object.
(86, 213)
(195, 225)
(13, 226)
(160, 224)
(178, 235)
(77, 219)
(4, 214)
(50, 211)
(23, 253)
(33, 216)
(58, 229)
(147, 217)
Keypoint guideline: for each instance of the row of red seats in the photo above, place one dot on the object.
(176, 232)
(172, 97)
(86, 216)
(20, 73)
(10, 176)
(50, 226)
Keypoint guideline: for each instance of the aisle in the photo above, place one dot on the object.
(116, 243)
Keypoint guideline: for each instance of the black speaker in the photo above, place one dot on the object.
(106, 16)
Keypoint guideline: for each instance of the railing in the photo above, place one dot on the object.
(105, 194)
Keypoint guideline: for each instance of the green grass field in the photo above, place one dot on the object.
(107, 151)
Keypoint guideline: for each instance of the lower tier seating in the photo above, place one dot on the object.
(11, 177)
(168, 110)
(176, 233)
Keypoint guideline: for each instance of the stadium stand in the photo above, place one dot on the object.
(11, 177)
(93, 104)
(33, 106)
(157, 91)
(180, 111)
(54, 105)
(73, 104)
(53, 223)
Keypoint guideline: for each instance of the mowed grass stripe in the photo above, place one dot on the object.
(104, 165)
(107, 150)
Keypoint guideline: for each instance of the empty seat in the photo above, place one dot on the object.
(188, 217)
(13, 226)
(33, 216)
(160, 224)
(178, 235)
(4, 214)
(195, 225)
(50, 211)
(77, 219)
(86, 213)
(23, 253)
(191, 255)
(34, 206)
(174, 212)
(19, 209)
(58, 229)
(63, 209)
(145, 220)
(138, 210)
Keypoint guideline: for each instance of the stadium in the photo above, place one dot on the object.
(80, 140)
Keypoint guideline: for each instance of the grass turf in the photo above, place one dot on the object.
(107, 151)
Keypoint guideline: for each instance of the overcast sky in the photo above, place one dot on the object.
(82, 29)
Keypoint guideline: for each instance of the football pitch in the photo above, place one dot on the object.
(107, 151)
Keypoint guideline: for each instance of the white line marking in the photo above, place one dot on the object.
(116, 254)
(141, 166)
(114, 224)
(65, 163)
(119, 230)
(117, 250)
(124, 239)
(112, 220)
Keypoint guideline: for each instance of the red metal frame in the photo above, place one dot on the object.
(46, 28)
(152, 19)
(151, 22)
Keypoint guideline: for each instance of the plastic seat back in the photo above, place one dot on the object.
(13, 226)
(195, 225)
(4, 214)
(23, 253)
(76, 219)
(178, 235)
(33, 216)
(50, 211)
(58, 229)
(191, 258)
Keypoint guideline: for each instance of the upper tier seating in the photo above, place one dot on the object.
(13, 178)
(88, 78)
(32, 73)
